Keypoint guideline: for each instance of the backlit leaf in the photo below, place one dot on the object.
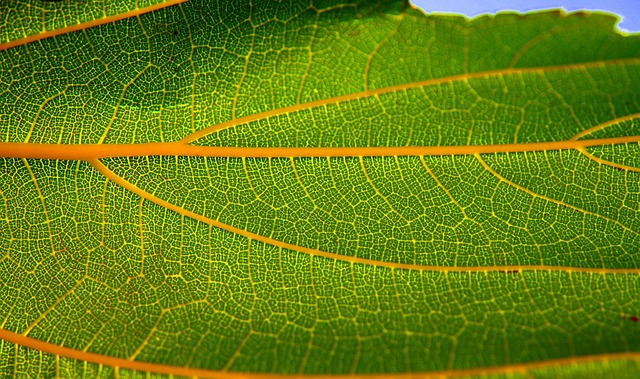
(215, 189)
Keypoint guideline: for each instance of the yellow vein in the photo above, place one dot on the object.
(98, 151)
(284, 245)
(150, 334)
(443, 188)
(43, 201)
(88, 24)
(384, 198)
(58, 301)
(377, 48)
(116, 109)
(120, 363)
(401, 87)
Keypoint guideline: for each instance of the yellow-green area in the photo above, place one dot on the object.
(24, 18)
(341, 265)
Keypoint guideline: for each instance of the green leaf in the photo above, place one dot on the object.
(25, 21)
(217, 189)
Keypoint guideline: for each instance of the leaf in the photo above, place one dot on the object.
(225, 189)
(26, 21)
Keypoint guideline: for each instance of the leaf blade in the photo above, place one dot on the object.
(331, 265)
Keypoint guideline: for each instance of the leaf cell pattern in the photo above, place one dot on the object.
(347, 188)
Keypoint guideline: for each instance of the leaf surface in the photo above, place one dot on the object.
(26, 21)
(216, 189)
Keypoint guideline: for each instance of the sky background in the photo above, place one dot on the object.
(629, 10)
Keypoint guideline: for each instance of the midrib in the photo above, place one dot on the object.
(99, 151)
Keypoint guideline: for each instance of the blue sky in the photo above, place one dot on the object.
(629, 10)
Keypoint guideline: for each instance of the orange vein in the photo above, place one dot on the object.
(605, 162)
(399, 87)
(98, 151)
(605, 125)
(159, 368)
(546, 198)
(394, 265)
(88, 24)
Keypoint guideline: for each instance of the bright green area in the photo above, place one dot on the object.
(86, 264)
(24, 18)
